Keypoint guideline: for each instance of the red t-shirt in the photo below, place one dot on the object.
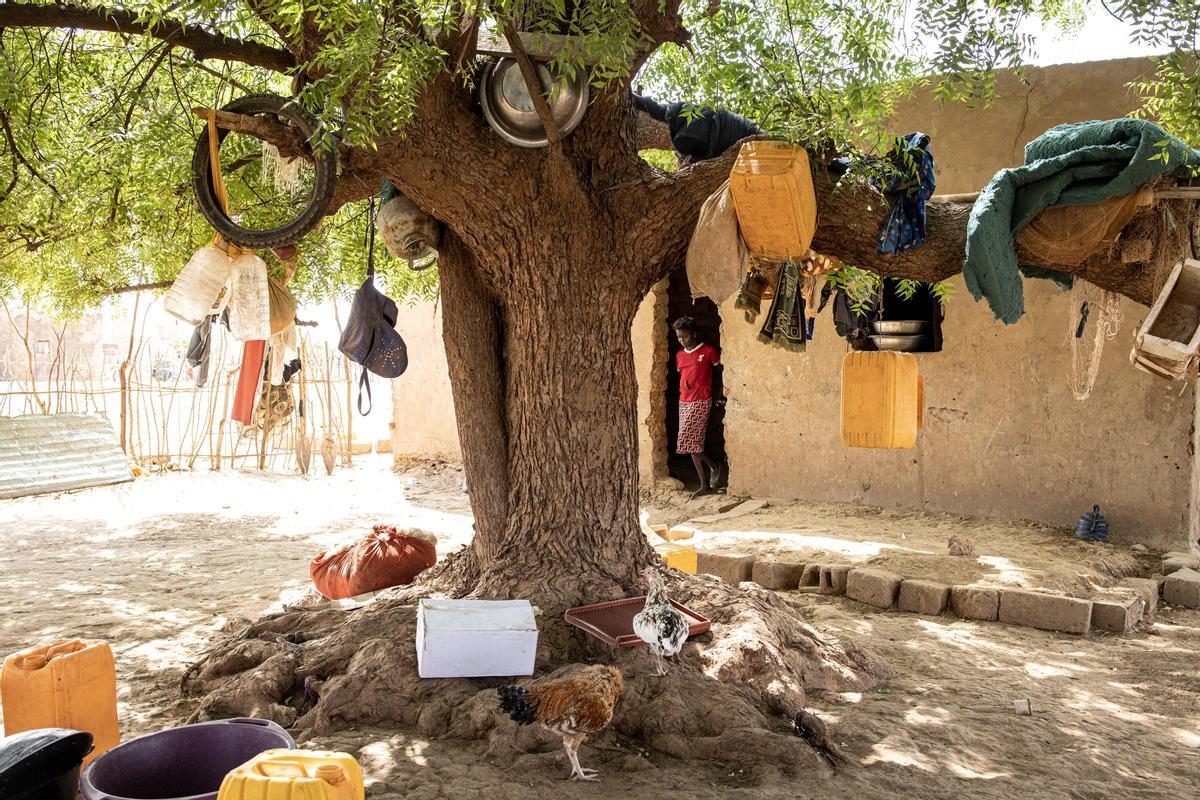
(695, 372)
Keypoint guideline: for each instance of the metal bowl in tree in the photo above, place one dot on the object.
(509, 109)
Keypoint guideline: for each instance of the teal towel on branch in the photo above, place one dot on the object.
(1075, 164)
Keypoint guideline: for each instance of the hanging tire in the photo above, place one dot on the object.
(325, 175)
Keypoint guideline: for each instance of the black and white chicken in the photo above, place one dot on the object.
(659, 624)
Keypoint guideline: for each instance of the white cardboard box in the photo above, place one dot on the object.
(475, 638)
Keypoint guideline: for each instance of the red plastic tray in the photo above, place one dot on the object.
(612, 622)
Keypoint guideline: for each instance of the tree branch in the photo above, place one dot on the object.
(661, 22)
(849, 218)
(285, 138)
(534, 84)
(204, 44)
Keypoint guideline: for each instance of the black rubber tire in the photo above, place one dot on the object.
(325, 159)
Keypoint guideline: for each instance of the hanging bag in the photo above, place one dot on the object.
(193, 294)
(250, 300)
(370, 337)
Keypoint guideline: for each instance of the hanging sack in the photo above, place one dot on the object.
(370, 337)
(384, 558)
(193, 294)
(283, 306)
(716, 256)
(250, 301)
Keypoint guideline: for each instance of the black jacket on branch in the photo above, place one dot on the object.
(698, 132)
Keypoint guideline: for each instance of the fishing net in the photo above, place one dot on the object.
(1088, 300)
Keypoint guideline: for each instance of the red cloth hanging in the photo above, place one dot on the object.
(249, 377)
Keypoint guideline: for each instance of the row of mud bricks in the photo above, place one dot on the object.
(1121, 610)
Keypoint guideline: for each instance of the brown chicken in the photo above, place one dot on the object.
(572, 707)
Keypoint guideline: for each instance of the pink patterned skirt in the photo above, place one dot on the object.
(693, 426)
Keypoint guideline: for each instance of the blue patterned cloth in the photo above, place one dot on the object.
(908, 189)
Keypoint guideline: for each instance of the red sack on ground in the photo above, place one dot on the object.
(384, 558)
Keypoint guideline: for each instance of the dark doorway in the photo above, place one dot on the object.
(704, 311)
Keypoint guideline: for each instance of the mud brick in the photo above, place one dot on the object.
(1183, 588)
(1177, 560)
(875, 587)
(729, 567)
(975, 602)
(1148, 589)
(923, 597)
(811, 576)
(1117, 612)
(777, 573)
(1047, 612)
(833, 578)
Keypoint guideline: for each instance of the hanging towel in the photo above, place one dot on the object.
(1075, 164)
(907, 190)
(245, 398)
(785, 325)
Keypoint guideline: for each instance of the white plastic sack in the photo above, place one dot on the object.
(716, 256)
(192, 295)
(250, 299)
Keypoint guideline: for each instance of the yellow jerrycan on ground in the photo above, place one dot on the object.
(65, 684)
(882, 399)
(295, 775)
(772, 188)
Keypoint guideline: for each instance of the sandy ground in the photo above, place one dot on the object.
(158, 566)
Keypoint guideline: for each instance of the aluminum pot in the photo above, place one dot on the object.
(509, 109)
(903, 343)
(905, 327)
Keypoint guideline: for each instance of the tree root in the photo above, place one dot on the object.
(729, 695)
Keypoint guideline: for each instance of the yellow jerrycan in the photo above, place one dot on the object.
(295, 775)
(772, 188)
(64, 684)
(882, 399)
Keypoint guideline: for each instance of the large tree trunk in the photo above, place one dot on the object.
(537, 334)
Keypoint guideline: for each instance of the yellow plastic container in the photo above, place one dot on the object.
(773, 194)
(65, 684)
(881, 399)
(295, 775)
(678, 556)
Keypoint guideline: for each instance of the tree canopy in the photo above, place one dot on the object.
(96, 129)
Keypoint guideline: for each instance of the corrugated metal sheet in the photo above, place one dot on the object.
(54, 453)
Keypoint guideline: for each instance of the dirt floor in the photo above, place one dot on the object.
(157, 567)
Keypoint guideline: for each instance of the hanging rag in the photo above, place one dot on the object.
(1073, 164)
(245, 397)
(854, 323)
(199, 347)
(698, 133)
(284, 347)
(910, 185)
(756, 287)
(785, 324)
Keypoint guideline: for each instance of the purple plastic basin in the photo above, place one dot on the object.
(186, 763)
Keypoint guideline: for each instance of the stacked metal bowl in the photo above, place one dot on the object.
(906, 335)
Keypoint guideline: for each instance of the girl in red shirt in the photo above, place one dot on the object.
(695, 362)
